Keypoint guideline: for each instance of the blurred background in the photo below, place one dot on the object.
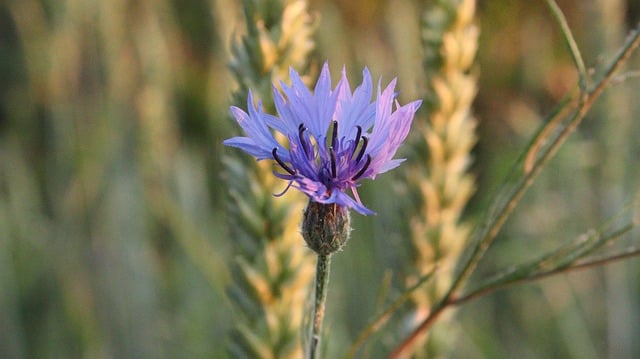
(113, 226)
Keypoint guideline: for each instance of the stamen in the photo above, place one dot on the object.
(333, 162)
(334, 137)
(357, 138)
(284, 191)
(363, 169)
(365, 141)
(280, 162)
(305, 145)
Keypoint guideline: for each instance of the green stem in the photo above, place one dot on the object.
(571, 42)
(322, 282)
(382, 318)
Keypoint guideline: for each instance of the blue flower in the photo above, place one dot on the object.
(333, 139)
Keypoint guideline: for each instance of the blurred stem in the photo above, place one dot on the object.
(593, 262)
(386, 314)
(571, 42)
(628, 253)
(562, 110)
(504, 210)
(322, 282)
(625, 76)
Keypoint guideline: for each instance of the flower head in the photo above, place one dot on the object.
(336, 137)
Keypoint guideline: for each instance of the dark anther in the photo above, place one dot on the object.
(365, 141)
(305, 145)
(280, 162)
(334, 137)
(363, 169)
(333, 162)
(357, 138)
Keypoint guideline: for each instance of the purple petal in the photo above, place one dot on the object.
(254, 125)
(375, 129)
(249, 146)
(343, 199)
(397, 128)
(357, 110)
(382, 119)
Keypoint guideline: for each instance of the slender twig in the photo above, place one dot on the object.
(625, 76)
(322, 282)
(571, 42)
(562, 110)
(491, 229)
(537, 274)
(436, 310)
(630, 252)
(386, 314)
(596, 262)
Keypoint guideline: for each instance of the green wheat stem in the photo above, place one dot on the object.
(322, 283)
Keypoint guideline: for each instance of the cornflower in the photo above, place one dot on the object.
(335, 137)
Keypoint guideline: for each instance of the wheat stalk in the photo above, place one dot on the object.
(274, 269)
(440, 177)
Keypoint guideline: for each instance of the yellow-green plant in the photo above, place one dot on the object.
(439, 178)
(273, 268)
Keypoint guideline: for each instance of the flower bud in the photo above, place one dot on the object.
(325, 227)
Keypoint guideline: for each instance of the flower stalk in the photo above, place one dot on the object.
(322, 282)
(326, 230)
